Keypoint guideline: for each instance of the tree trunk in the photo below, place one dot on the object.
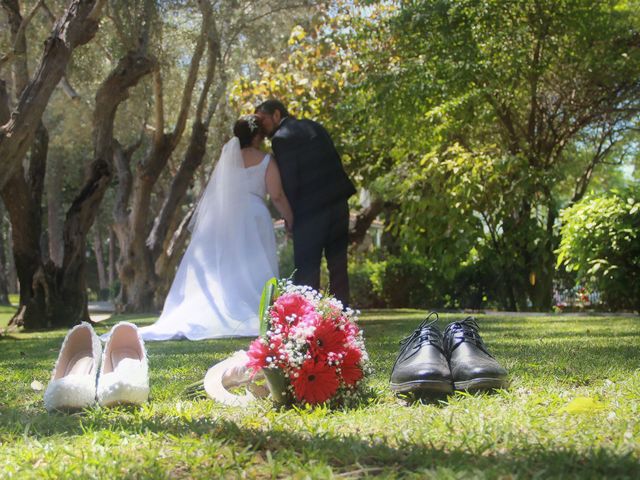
(179, 186)
(529, 268)
(23, 198)
(364, 220)
(12, 274)
(168, 261)
(102, 271)
(58, 294)
(76, 27)
(111, 268)
(81, 215)
(4, 280)
(541, 293)
(4, 284)
(19, 67)
(26, 229)
(4, 103)
(141, 241)
(54, 209)
(120, 227)
(137, 277)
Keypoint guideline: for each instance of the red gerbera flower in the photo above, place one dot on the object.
(258, 353)
(350, 368)
(316, 382)
(327, 338)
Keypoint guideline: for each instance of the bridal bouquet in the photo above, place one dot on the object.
(310, 343)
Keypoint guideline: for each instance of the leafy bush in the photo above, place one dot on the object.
(395, 281)
(286, 265)
(401, 283)
(600, 242)
(363, 292)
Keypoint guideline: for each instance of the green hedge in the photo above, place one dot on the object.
(601, 244)
(403, 281)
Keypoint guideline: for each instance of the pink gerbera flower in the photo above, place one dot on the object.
(258, 353)
(286, 306)
(351, 329)
(316, 382)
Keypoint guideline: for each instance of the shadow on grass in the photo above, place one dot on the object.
(562, 355)
(344, 453)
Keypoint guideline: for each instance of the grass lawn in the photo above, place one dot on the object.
(535, 429)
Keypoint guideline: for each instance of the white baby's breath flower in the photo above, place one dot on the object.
(251, 121)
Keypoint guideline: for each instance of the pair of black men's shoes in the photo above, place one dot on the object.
(430, 363)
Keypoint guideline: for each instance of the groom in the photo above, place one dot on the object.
(318, 189)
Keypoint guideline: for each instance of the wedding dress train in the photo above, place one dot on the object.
(217, 288)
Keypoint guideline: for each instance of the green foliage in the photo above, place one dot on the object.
(601, 243)
(406, 280)
(286, 265)
(495, 115)
(269, 292)
(409, 280)
(361, 283)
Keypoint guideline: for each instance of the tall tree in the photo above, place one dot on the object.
(501, 112)
(150, 220)
(55, 294)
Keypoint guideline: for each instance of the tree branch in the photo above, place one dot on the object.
(364, 220)
(112, 92)
(76, 27)
(192, 157)
(5, 112)
(26, 20)
(159, 106)
(192, 75)
(602, 150)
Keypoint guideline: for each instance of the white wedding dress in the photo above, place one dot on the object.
(217, 288)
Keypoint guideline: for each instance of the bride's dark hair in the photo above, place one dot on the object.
(246, 129)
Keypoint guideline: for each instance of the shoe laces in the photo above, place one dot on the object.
(426, 333)
(465, 331)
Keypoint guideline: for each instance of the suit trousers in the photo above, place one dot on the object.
(325, 231)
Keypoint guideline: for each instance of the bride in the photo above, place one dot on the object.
(217, 288)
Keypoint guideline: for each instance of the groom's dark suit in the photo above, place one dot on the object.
(317, 188)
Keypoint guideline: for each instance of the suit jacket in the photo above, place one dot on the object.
(310, 166)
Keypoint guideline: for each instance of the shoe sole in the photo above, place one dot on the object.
(476, 384)
(124, 396)
(423, 386)
(120, 403)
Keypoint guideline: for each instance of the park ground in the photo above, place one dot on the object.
(573, 410)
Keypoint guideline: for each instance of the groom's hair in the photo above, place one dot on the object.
(270, 106)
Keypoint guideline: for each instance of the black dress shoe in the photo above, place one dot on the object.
(472, 366)
(421, 366)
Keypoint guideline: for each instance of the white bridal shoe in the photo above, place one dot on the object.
(73, 380)
(124, 378)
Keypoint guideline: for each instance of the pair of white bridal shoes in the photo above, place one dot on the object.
(84, 373)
